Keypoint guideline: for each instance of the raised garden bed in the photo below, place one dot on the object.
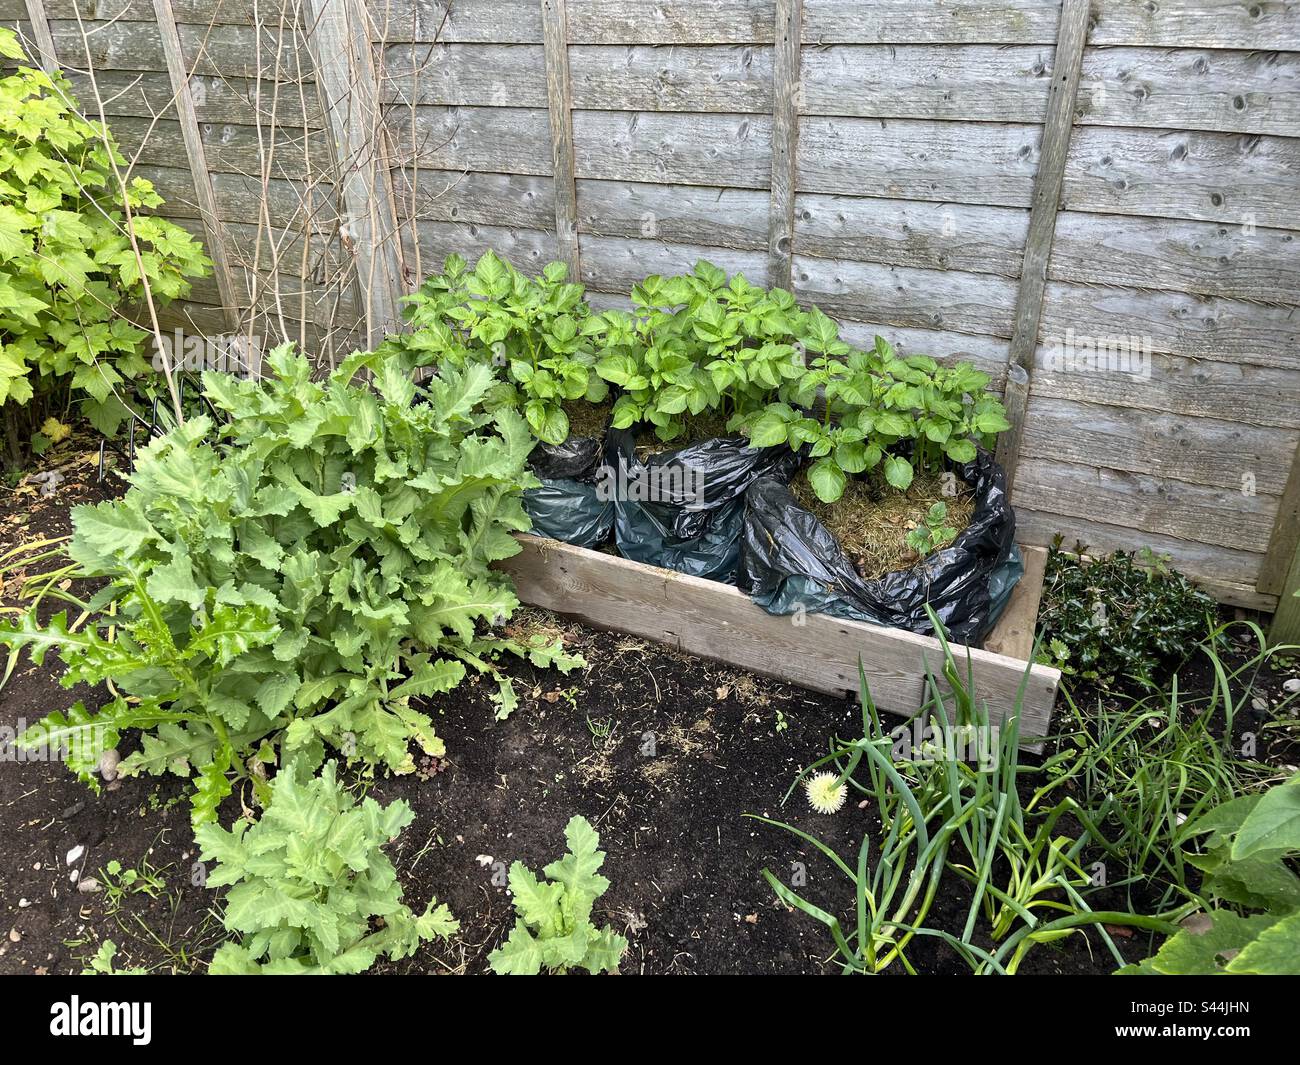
(815, 651)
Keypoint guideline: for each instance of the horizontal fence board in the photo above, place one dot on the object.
(731, 150)
(1220, 516)
(680, 214)
(501, 140)
(288, 153)
(1196, 450)
(1179, 174)
(484, 75)
(220, 51)
(528, 249)
(933, 236)
(193, 12)
(1227, 564)
(1202, 24)
(616, 264)
(896, 295)
(457, 21)
(1198, 388)
(144, 94)
(974, 83)
(671, 21)
(1177, 323)
(726, 78)
(240, 198)
(1213, 258)
(511, 200)
(944, 161)
(1207, 89)
(715, 620)
(933, 21)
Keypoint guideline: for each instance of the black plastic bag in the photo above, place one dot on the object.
(684, 509)
(567, 506)
(789, 560)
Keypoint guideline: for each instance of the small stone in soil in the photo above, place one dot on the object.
(1291, 686)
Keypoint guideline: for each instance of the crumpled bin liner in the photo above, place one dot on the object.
(789, 560)
(567, 506)
(684, 509)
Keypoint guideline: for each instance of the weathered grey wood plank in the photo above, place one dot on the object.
(339, 39)
(943, 161)
(1194, 387)
(459, 75)
(1228, 573)
(972, 83)
(1219, 516)
(1014, 633)
(504, 140)
(459, 21)
(932, 21)
(1213, 258)
(290, 154)
(1071, 35)
(1214, 176)
(143, 94)
(1203, 451)
(1177, 323)
(555, 38)
(193, 12)
(679, 214)
(672, 21)
(511, 200)
(732, 150)
(786, 99)
(616, 264)
(38, 25)
(1277, 574)
(902, 296)
(716, 621)
(239, 197)
(1203, 24)
(1203, 88)
(931, 236)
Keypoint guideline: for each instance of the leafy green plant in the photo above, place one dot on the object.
(1251, 922)
(77, 245)
(944, 818)
(296, 576)
(554, 930)
(308, 880)
(1120, 617)
(102, 963)
(532, 330)
(934, 532)
(119, 882)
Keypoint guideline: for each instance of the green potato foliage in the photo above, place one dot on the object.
(296, 576)
(554, 930)
(68, 272)
(531, 330)
(308, 878)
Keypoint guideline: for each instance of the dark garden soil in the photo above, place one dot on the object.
(662, 752)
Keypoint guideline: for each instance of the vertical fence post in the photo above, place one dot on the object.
(204, 194)
(44, 40)
(1070, 40)
(559, 103)
(338, 37)
(786, 97)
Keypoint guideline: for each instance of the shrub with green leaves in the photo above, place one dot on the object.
(530, 329)
(1122, 616)
(296, 575)
(1248, 860)
(554, 929)
(68, 271)
(308, 879)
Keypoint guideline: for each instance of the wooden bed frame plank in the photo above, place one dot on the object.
(717, 621)
(1013, 635)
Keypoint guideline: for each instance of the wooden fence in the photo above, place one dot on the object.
(1098, 203)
